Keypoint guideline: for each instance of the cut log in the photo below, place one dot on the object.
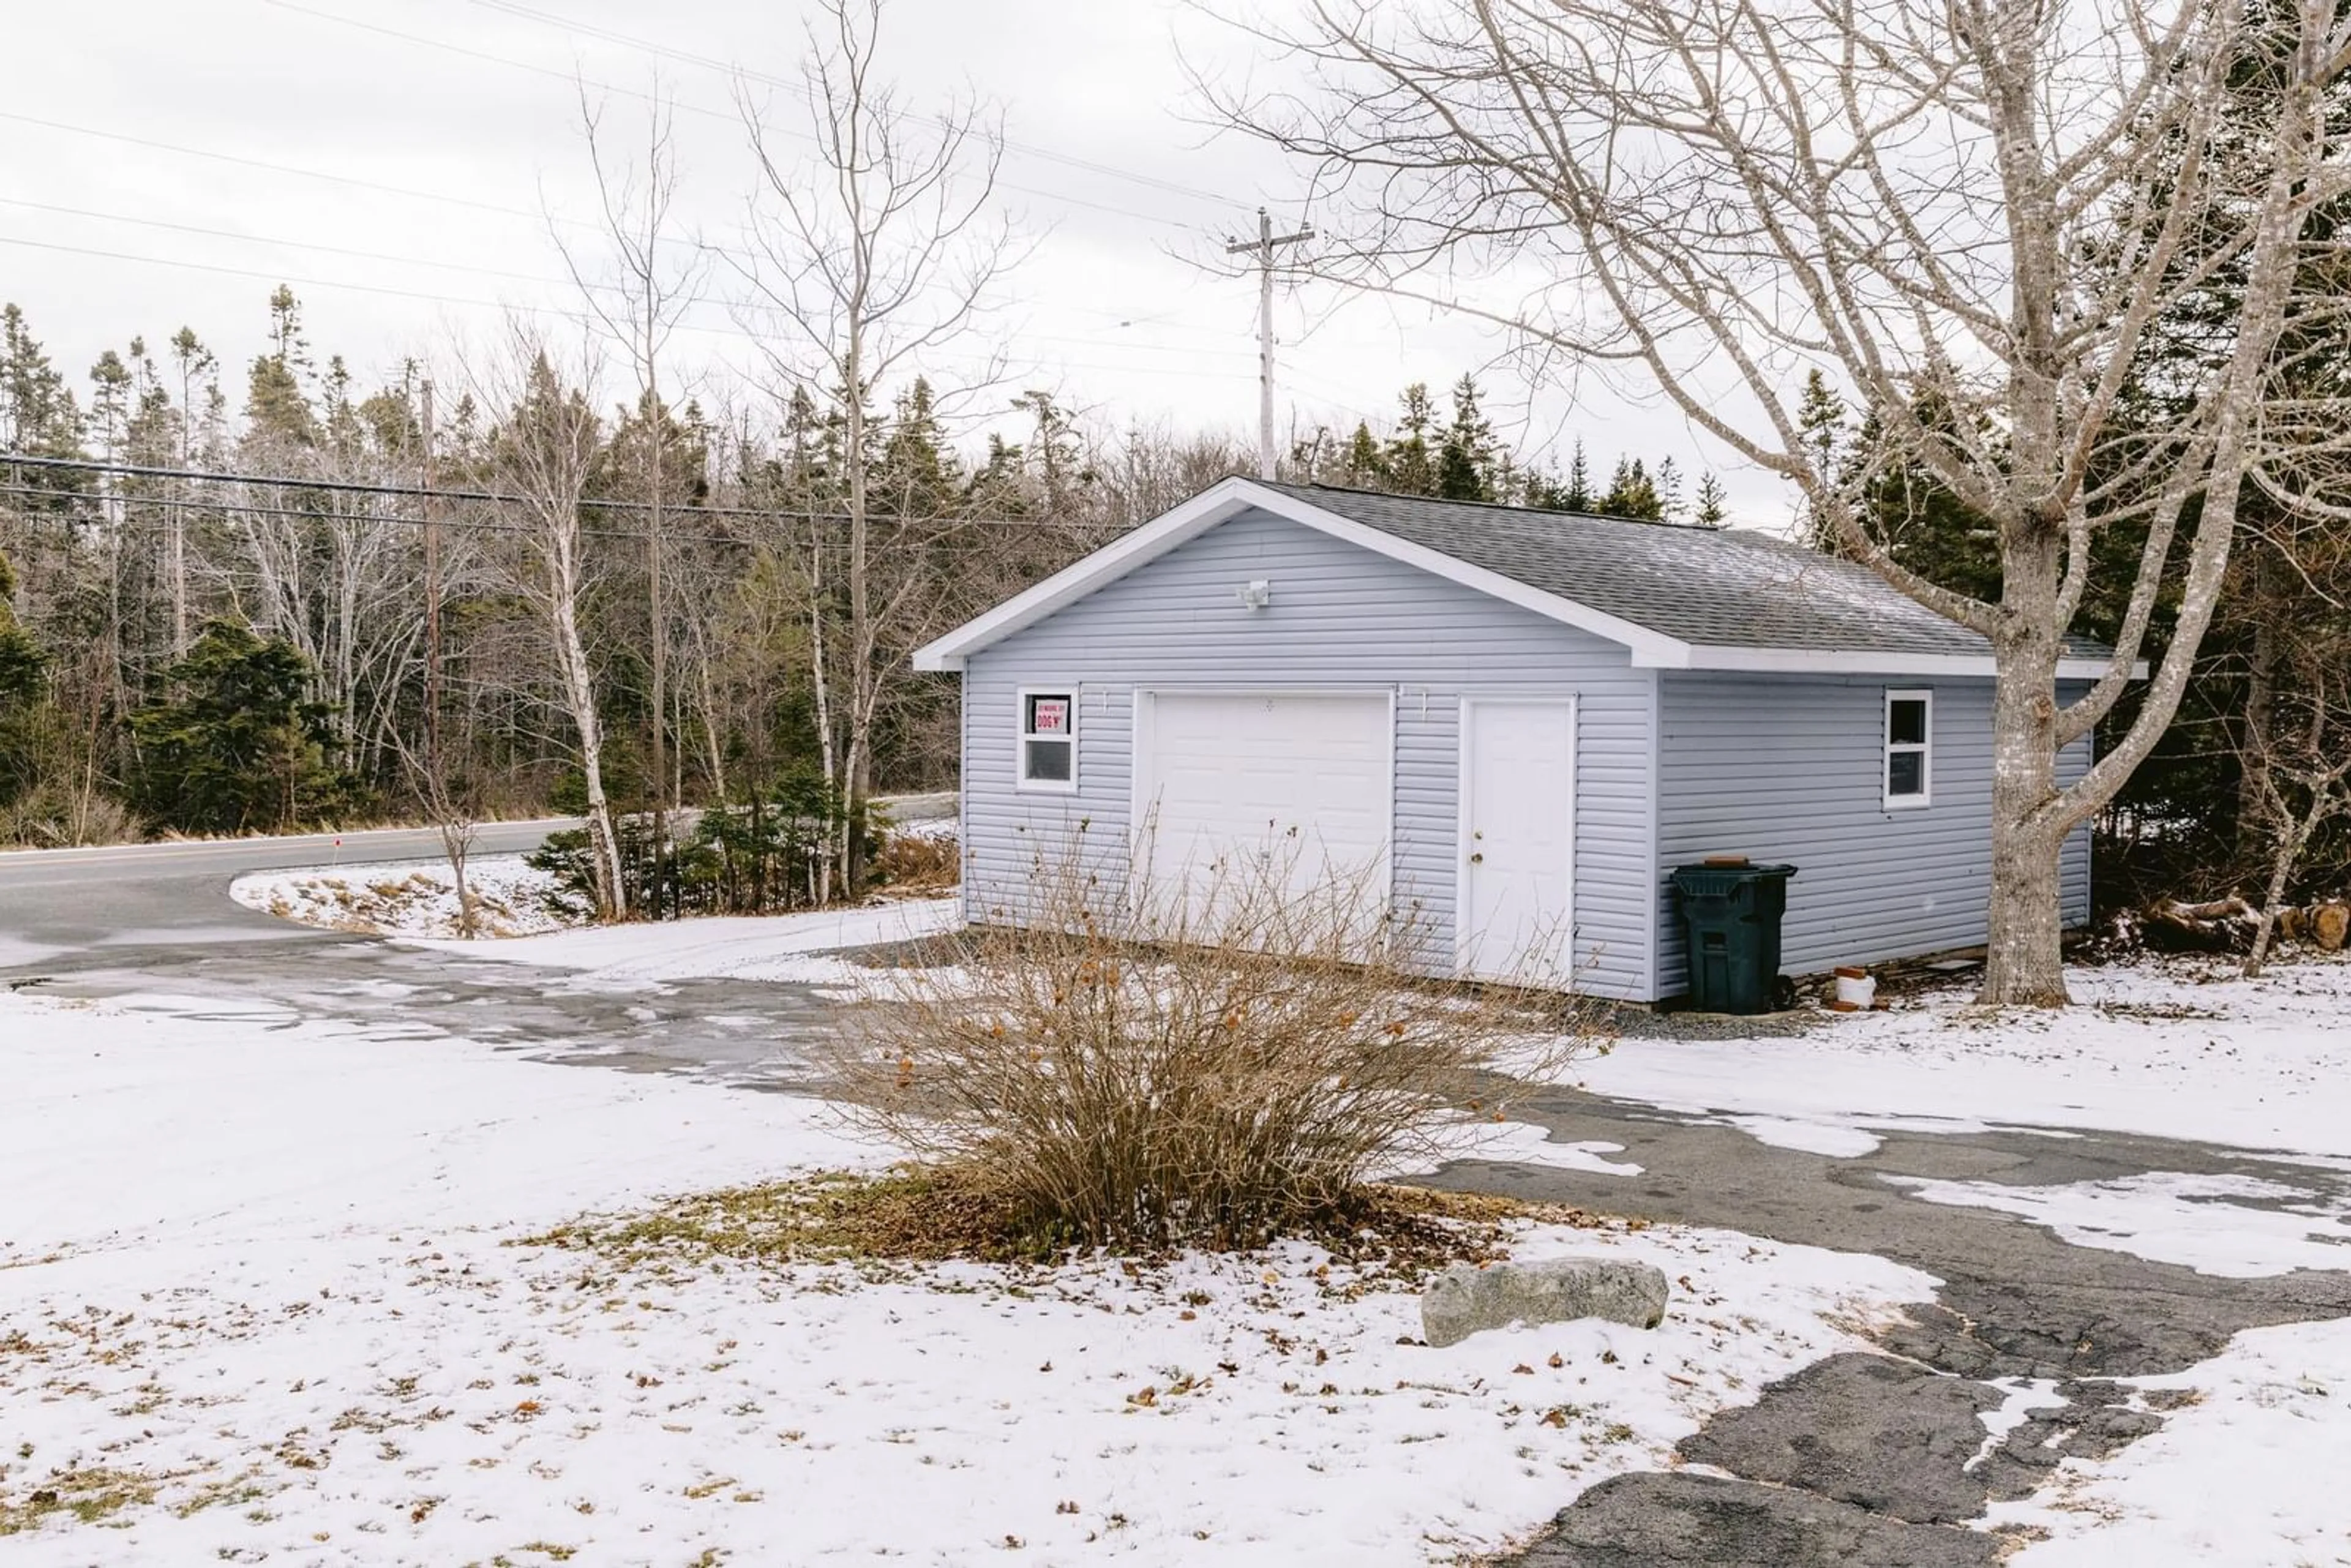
(2223, 925)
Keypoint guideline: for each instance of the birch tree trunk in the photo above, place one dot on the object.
(544, 455)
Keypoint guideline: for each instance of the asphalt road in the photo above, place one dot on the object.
(70, 903)
(153, 926)
(1859, 1459)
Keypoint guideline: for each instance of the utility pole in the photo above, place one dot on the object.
(432, 605)
(1264, 246)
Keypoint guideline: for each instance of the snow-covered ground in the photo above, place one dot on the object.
(410, 898)
(2176, 1049)
(744, 947)
(2250, 1471)
(259, 1297)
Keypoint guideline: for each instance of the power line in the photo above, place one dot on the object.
(588, 531)
(585, 318)
(366, 488)
(287, 243)
(547, 280)
(732, 68)
(432, 43)
(264, 163)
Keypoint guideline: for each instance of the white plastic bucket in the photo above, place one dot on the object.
(1856, 990)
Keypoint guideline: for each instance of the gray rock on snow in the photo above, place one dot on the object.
(1465, 1298)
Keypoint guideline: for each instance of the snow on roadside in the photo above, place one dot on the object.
(264, 1279)
(410, 898)
(742, 947)
(2246, 1471)
(2154, 1048)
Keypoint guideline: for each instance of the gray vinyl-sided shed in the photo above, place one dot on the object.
(1523, 718)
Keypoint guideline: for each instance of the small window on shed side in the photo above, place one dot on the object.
(1909, 748)
(1048, 740)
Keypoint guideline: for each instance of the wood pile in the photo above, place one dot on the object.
(2228, 924)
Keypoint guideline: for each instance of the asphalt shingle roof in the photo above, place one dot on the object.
(1726, 587)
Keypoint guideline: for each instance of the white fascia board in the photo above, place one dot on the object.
(1811, 662)
(1073, 582)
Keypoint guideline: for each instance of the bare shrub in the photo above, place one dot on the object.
(918, 862)
(1214, 1068)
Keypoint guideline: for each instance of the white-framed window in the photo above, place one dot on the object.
(1048, 741)
(1910, 770)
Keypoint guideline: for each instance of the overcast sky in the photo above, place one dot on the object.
(399, 165)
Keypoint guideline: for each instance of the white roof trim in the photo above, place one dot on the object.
(1073, 582)
(1650, 650)
(1861, 661)
(1229, 496)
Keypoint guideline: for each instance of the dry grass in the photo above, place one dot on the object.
(910, 863)
(87, 1495)
(1220, 1069)
(1393, 1233)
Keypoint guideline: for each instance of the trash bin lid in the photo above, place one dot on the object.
(1717, 881)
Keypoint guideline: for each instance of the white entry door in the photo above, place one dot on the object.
(1518, 838)
(1231, 787)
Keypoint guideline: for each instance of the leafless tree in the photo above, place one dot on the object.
(881, 251)
(655, 275)
(1980, 214)
(2304, 779)
(543, 454)
(2295, 750)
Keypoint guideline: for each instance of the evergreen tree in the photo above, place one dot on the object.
(1669, 491)
(1631, 493)
(1364, 467)
(109, 403)
(23, 669)
(918, 476)
(1056, 459)
(200, 395)
(996, 489)
(1819, 415)
(243, 746)
(38, 416)
(23, 662)
(1711, 512)
(277, 401)
(1577, 495)
(1411, 464)
(1466, 456)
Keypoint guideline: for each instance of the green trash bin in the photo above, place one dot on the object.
(1730, 918)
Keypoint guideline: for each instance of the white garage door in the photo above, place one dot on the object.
(1234, 787)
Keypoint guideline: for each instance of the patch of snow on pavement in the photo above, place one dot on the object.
(742, 947)
(1809, 1137)
(2231, 1225)
(2025, 1395)
(273, 1282)
(2175, 1049)
(409, 898)
(2249, 1475)
(1516, 1143)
